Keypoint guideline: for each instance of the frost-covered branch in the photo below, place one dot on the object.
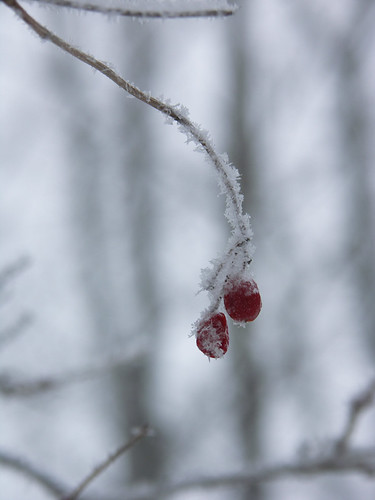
(240, 250)
(227, 173)
(160, 13)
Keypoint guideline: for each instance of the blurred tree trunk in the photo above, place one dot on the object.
(134, 385)
(84, 152)
(344, 52)
(114, 214)
(354, 119)
(246, 369)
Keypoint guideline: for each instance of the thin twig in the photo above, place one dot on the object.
(143, 14)
(99, 469)
(357, 406)
(23, 466)
(361, 462)
(11, 271)
(14, 386)
(355, 461)
(328, 461)
(10, 333)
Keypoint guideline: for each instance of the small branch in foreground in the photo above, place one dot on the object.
(142, 14)
(137, 436)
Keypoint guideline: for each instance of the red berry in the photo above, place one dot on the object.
(242, 300)
(213, 336)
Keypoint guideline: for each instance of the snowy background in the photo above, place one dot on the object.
(111, 217)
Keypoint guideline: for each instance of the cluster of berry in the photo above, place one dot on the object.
(242, 302)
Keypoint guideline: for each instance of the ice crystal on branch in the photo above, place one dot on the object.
(238, 256)
(148, 9)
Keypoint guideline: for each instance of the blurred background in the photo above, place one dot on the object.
(107, 217)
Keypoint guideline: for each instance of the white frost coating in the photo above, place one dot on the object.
(148, 9)
(239, 251)
(210, 341)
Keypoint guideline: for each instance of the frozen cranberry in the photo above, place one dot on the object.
(213, 336)
(242, 300)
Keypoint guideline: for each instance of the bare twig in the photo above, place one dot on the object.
(336, 459)
(357, 406)
(360, 462)
(23, 466)
(14, 386)
(142, 13)
(8, 273)
(137, 436)
(355, 461)
(9, 334)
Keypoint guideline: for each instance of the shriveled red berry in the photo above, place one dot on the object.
(213, 336)
(242, 300)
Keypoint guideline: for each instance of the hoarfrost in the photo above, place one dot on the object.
(239, 252)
